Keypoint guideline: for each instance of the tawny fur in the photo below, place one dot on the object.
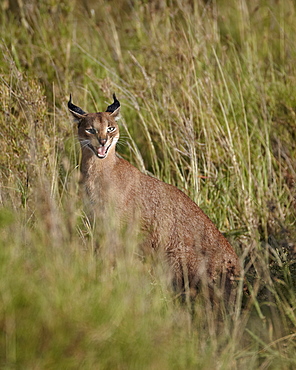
(169, 220)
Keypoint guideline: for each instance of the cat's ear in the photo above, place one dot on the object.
(77, 112)
(116, 114)
(114, 108)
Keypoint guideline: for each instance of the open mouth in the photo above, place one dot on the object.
(103, 151)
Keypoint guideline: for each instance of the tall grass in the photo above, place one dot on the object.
(208, 103)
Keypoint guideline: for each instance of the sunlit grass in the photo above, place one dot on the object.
(208, 104)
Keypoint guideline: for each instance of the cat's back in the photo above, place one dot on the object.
(183, 220)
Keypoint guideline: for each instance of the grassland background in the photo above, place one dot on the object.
(208, 93)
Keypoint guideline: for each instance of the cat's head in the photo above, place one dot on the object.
(98, 132)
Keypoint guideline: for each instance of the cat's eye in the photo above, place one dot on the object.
(92, 131)
(111, 129)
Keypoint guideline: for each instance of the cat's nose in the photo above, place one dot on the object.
(102, 141)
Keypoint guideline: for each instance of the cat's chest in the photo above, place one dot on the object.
(106, 190)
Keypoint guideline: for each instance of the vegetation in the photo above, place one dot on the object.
(208, 93)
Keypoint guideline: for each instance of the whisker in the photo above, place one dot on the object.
(85, 144)
(122, 141)
(84, 140)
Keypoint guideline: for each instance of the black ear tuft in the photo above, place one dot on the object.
(115, 105)
(73, 108)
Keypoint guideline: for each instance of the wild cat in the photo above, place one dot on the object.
(169, 220)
